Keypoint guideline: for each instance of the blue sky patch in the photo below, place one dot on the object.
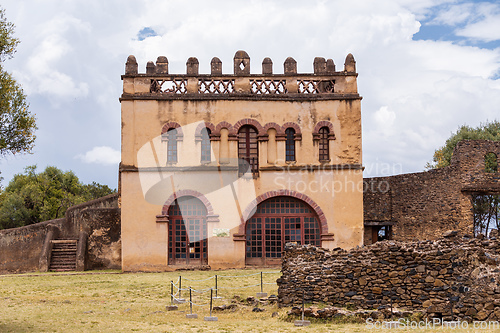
(145, 33)
(444, 21)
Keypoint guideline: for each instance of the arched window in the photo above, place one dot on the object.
(206, 153)
(490, 163)
(324, 148)
(172, 146)
(248, 150)
(290, 144)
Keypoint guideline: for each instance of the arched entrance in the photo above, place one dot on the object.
(187, 232)
(278, 221)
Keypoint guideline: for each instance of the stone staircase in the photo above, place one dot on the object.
(63, 256)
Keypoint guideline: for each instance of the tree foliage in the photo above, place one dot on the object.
(17, 124)
(486, 131)
(486, 206)
(33, 197)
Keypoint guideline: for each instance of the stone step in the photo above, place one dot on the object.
(64, 241)
(63, 258)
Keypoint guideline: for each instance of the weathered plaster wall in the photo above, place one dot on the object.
(20, 248)
(335, 185)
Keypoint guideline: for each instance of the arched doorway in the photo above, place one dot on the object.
(187, 232)
(278, 221)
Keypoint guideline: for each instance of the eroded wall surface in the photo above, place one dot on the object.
(423, 205)
(21, 248)
(268, 102)
(425, 276)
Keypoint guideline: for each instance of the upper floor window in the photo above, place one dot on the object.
(248, 150)
(324, 148)
(206, 153)
(172, 146)
(290, 144)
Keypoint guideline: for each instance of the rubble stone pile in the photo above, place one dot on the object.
(453, 274)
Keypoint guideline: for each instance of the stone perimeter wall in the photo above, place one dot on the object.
(21, 248)
(420, 276)
(423, 205)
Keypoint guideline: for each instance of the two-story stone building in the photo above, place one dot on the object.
(224, 169)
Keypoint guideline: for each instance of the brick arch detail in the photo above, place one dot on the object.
(184, 193)
(224, 124)
(319, 125)
(296, 127)
(201, 126)
(489, 152)
(172, 124)
(249, 121)
(268, 126)
(250, 210)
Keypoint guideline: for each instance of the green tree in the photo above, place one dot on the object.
(33, 197)
(17, 124)
(486, 206)
(485, 131)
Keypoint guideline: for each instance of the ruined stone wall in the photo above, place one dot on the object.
(21, 248)
(425, 204)
(422, 205)
(427, 276)
(104, 238)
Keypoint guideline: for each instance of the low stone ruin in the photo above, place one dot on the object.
(454, 274)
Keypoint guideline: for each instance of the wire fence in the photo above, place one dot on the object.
(203, 297)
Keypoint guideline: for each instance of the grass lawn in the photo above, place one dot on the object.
(115, 302)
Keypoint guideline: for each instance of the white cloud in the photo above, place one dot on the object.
(454, 14)
(415, 93)
(43, 73)
(486, 30)
(384, 118)
(101, 155)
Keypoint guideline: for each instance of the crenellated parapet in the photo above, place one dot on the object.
(324, 83)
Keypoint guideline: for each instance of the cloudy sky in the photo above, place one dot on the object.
(425, 67)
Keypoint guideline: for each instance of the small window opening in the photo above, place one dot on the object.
(490, 163)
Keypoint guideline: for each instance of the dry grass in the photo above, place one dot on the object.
(136, 303)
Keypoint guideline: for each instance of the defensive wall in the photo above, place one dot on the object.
(98, 221)
(423, 205)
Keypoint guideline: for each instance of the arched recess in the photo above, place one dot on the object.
(248, 121)
(224, 124)
(201, 126)
(277, 221)
(320, 124)
(277, 127)
(172, 125)
(296, 127)
(251, 208)
(181, 193)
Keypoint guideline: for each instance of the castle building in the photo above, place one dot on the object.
(225, 169)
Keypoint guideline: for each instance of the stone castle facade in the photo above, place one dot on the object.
(224, 169)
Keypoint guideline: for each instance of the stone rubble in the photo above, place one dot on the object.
(452, 274)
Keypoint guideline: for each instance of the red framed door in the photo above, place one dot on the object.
(276, 222)
(187, 232)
